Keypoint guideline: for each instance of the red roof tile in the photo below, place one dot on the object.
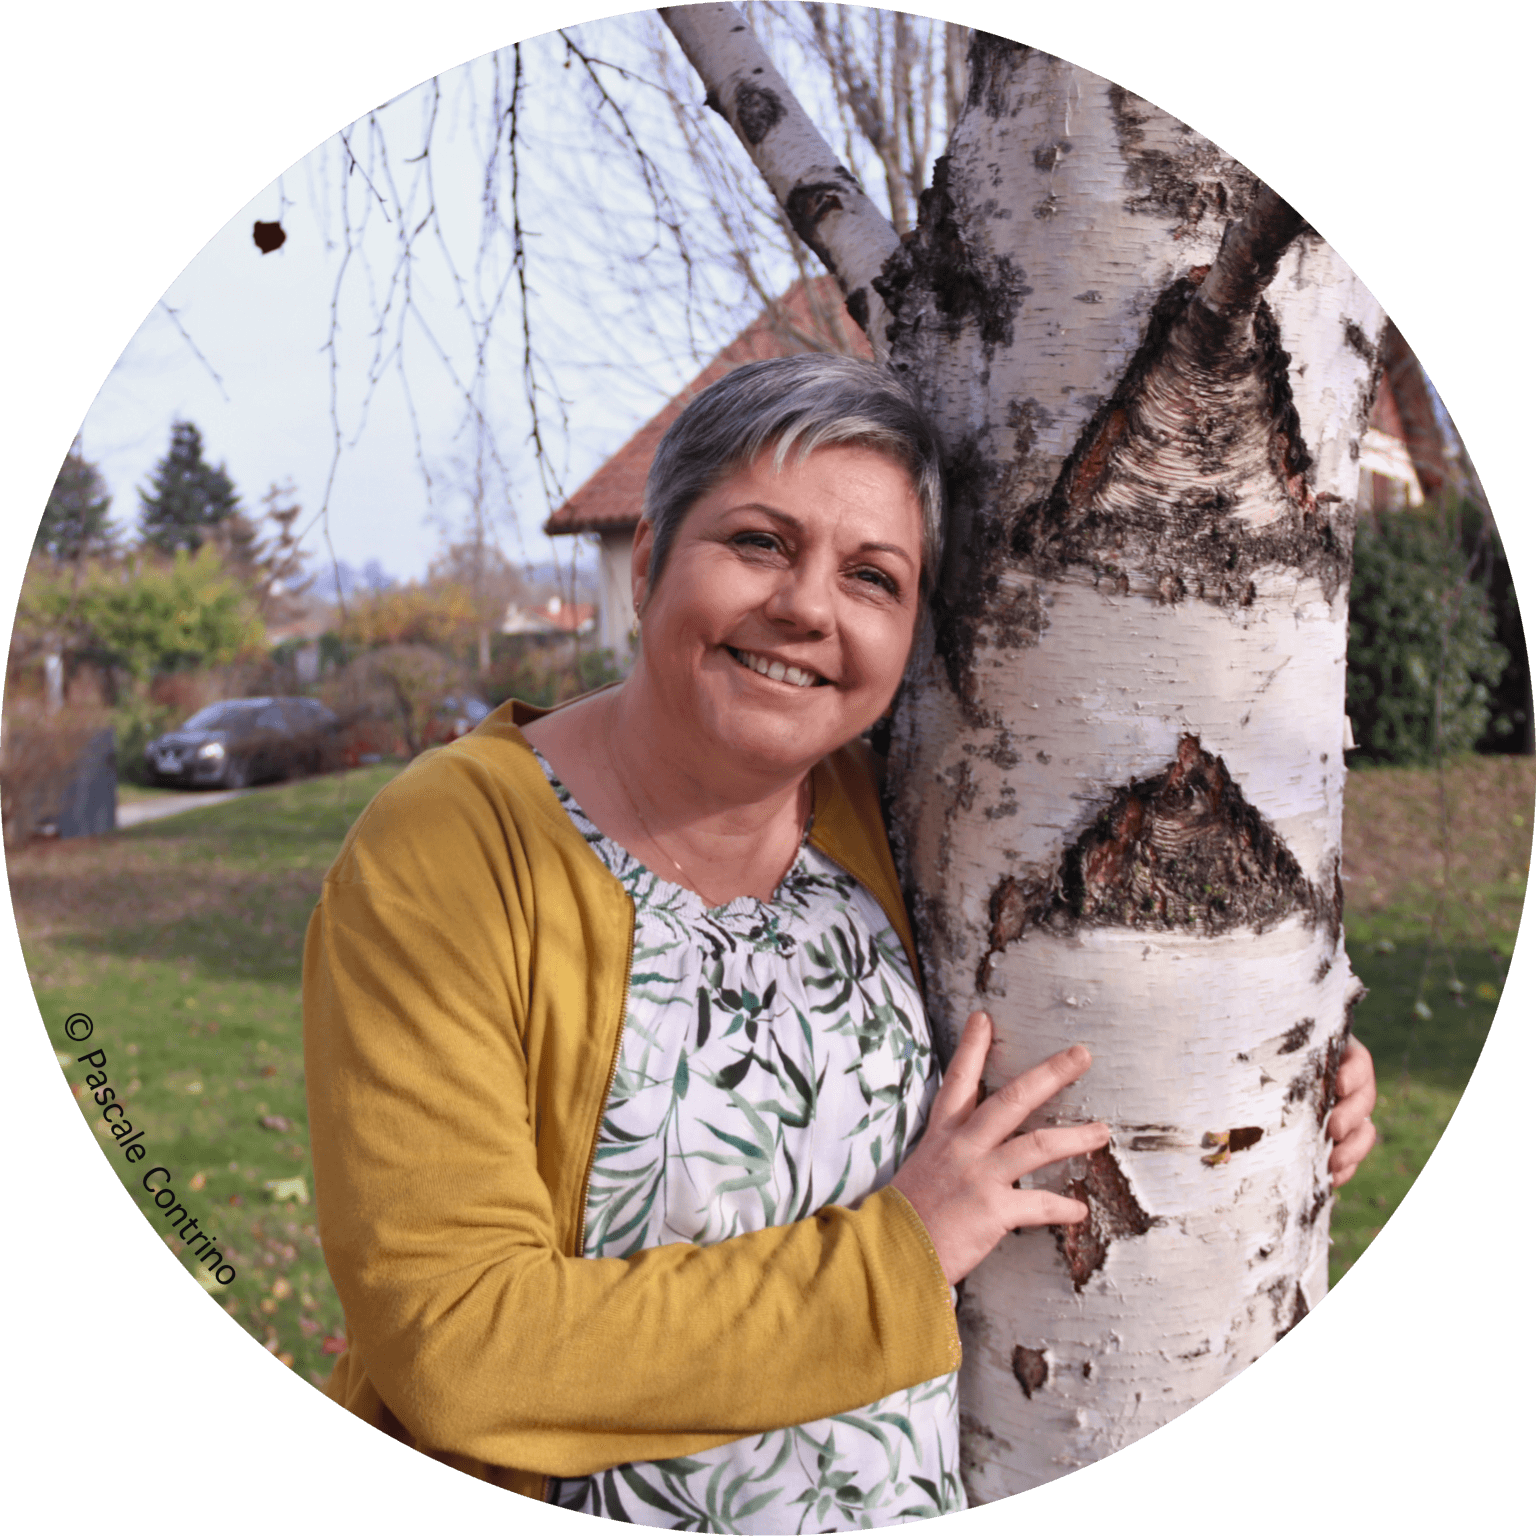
(809, 318)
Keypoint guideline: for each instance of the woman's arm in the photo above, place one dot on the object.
(436, 1105)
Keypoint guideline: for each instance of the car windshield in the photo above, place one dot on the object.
(223, 717)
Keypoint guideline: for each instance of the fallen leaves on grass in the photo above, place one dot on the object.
(99, 887)
(1392, 828)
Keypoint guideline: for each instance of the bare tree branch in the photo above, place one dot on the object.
(196, 352)
(825, 204)
(1250, 255)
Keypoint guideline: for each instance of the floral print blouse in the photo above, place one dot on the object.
(775, 1059)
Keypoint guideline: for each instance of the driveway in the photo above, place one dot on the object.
(171, 805)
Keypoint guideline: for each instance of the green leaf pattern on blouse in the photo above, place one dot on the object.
(775, 1059)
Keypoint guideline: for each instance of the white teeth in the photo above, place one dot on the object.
(777, 670)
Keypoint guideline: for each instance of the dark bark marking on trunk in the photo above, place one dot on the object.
(810, 202)
(1320, 1199)
(1238, 1139)
(991, 61)
(937, 260)
(1182, 850)
(1186, 178)
(1113, 1212)
(977, 1441)
(1204, 408)
(1317, 1081)
(857, 305)
(1289, 1302)
(1358, 994)
(1360, 344)
(1297, 1035)
(970, 605)
(758, 111)
(1030, 1369)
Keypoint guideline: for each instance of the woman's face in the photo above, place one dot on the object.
(780, 626)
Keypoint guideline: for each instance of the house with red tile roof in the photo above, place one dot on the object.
(810, 317)
(1403, 457)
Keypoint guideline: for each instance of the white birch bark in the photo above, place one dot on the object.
(1186, 585)
(1117, 768)
(823, 200)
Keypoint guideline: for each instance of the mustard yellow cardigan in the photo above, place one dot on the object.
(465, 978)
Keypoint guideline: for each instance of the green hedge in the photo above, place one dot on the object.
(1424, 658)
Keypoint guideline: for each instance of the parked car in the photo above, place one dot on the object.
(455, 716)
(243, 741)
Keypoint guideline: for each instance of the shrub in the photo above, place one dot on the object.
(392, 694)
(1423, 659)
(548, 674)
(38, 755)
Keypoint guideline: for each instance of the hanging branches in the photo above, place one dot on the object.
(499, 198)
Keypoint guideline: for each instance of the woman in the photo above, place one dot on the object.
(617, 1063)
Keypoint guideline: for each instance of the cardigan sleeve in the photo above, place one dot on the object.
(432, 1131)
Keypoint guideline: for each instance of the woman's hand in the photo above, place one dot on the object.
(960, 1176)
(1349, 1126)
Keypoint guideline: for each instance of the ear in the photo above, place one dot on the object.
(640, 562)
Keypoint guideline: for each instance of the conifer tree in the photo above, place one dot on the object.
(74, 523)
(188, 499)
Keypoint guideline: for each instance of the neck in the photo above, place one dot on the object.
(724, 830)
(689, 788)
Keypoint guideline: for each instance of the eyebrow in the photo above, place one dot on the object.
(790, 521)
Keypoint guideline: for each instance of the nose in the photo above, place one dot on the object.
(804, 599)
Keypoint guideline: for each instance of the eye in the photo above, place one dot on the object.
(873, 576)
(757, 538)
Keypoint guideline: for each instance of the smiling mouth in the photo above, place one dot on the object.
(778, 671)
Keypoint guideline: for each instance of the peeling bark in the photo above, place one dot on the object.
(1113, 1211)
(1116, 772)
(1180, 850)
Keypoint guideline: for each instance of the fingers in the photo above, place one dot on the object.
(1357, 1072)
(956, 1097)
(1040, 1208)
(1355, 1086)
(1004, 1111)
(1349, 1153)
(1023, 1155)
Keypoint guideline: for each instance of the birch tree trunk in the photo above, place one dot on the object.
(1117, 767)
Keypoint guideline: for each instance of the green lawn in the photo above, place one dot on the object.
(1437, 883)
(181, 939)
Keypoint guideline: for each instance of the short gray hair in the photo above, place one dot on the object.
(797, 404)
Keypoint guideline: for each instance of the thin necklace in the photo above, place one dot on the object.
(657, 842)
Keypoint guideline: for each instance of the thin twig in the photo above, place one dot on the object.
(176, 321)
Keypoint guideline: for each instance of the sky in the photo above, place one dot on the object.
(238, 342)
(244, 353)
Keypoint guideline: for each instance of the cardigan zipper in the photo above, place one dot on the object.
(586, 1178)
